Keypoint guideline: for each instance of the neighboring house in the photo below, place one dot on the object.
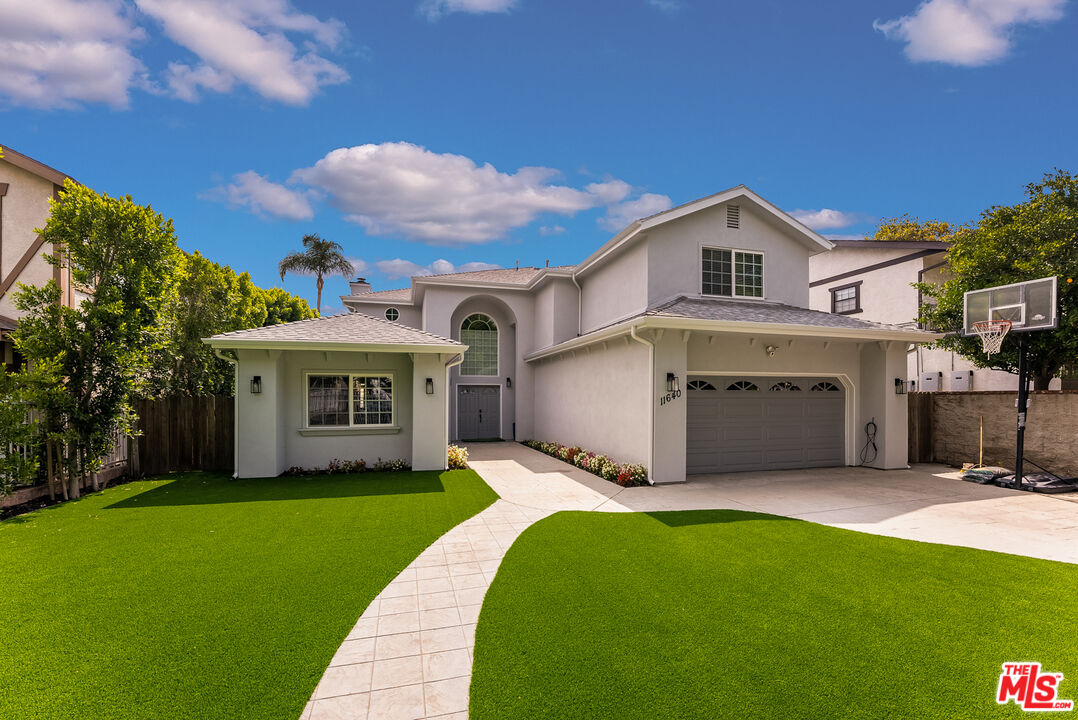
(873, 280)
(684, 343)
(26, 186)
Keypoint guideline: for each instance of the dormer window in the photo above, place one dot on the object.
(732, 273)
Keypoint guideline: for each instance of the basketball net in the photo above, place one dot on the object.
(991, 333)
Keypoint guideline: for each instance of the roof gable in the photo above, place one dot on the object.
(347, 331)
(803, 234)
(27, 163)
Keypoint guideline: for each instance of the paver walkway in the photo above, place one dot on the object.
(410, 654)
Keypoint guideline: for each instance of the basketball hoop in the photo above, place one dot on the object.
(991, 333)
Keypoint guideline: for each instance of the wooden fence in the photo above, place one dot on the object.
(182, 433)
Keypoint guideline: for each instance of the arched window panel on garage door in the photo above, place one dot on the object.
(742, 385)
(700, 385)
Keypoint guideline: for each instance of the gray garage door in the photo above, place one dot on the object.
(750, 423)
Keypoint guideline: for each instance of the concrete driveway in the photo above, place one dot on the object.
(926, 502)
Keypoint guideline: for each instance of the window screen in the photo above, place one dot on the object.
(327, 400)
(717, 272)
(372, 400)
(480, 334)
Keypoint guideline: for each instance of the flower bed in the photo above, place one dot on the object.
(626, 475)
(336, 467)
(458, 458)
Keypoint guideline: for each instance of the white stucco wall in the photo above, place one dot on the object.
(272, 430)
(886, 293)
(615, 289)
(597, 399)
(880, 363)
(674, 254)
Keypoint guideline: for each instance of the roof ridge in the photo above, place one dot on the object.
(340, 317)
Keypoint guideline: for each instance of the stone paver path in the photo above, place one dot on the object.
(410, 654)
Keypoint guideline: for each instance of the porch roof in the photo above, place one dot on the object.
(350, 331)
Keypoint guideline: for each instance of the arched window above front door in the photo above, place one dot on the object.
(480, 334)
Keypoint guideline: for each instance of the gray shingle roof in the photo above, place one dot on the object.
(507, 276)
(762, 312)
(349, 328)
(401, 294)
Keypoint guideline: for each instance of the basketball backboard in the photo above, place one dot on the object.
(1029, 305)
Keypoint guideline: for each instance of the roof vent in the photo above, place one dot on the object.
(733, 216)
(359, 286)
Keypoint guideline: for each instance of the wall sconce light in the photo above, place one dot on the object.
(771, 350)
(509, 382)
(256, 384)
(672, 384)
(430, 386)
(900, 386)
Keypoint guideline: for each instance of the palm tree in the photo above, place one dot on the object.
(319, 257)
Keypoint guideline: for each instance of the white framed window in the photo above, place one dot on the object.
(732, 273)
(480, 334)
(350, 400)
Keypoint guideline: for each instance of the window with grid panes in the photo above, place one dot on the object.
(480, 334)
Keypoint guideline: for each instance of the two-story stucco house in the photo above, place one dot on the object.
(26, 186)
(873, 281)
(685, 343)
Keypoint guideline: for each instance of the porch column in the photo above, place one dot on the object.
(671, 356)
(881, 364)
(430, 432)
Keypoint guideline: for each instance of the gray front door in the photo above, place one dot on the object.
(478, 412)
(737, 424)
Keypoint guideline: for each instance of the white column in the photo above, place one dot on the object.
(430, 435)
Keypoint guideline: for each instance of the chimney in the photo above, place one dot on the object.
(359, 286)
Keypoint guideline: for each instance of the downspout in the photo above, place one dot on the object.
(235, 412)
(579, 305)
(651, 405)
(449, 365)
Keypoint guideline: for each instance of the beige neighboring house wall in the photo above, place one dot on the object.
(884, 273)
(26, 186)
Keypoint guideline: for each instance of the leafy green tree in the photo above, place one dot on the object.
(120, 253)
(19, 440)
(282, 306)
(319, 258)
(1034, 239)
(910, 229)
(204, 299)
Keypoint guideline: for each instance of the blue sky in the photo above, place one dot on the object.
(492, 131)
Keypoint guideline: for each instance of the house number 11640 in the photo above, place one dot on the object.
(669, 397)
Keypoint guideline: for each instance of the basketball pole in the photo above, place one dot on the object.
(1023, 403)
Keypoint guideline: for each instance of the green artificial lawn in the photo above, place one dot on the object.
(725, 614)
(199, 596)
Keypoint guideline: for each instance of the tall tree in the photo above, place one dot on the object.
(910, 229)
(120, 254)
(319, 258)
(282, 306)
(1034, 239)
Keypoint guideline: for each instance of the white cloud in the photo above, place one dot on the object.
(966, 32)
(621, 214)
(398, 268)
(824, 218)
(434, 9)
(407, 190)
(246, 41)
(60, 53)
(548, 230)
(262, 197)
(669, 6)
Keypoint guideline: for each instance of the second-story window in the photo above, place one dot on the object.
(846, 300)
(732, 273)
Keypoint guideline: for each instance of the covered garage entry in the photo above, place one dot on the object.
(737, 424)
